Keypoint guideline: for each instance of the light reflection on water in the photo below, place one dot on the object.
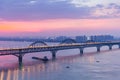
(69, 65)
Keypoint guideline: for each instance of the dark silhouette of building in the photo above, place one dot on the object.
(61, 38)
(81, 39)
(101, 38)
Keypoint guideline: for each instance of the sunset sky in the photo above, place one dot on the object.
(59, 17)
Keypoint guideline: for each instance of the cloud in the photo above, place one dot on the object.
(53, 9)
(110, 11)
(32, 2)
(41, 9)
(92, 3)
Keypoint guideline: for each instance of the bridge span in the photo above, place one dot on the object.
(40, 46)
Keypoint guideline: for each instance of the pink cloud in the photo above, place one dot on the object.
(62, 25)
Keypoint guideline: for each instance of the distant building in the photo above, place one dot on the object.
(101, 38)
(61, 38)
(81, 39)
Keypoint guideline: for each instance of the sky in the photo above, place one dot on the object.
(59, 17)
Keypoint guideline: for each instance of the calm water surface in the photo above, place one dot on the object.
(69, 65)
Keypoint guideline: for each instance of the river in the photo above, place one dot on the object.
(68, 65)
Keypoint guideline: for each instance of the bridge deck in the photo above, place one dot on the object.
(30, 49)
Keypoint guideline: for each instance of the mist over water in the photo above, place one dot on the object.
(69, 65)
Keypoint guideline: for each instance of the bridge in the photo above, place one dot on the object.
(40, 46)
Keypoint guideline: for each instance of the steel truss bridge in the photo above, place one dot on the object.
(40, 46)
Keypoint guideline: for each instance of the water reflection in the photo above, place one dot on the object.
(91, 59)
(26, 72)
(2, 75)
(8, 75)
(38, 70)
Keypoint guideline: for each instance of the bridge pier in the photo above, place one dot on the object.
(20, 59)
(53, 54)
(110, 47)
(81, 51)
(98, 48)
(119, 45)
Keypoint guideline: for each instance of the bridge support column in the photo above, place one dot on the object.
(53, 54)
(119, 45)
(81, 51)
(20, 59)
(110, 47)
(98, 49)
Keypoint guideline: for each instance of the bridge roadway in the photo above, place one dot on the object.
(20, 52)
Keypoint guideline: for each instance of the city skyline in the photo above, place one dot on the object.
(59, 17)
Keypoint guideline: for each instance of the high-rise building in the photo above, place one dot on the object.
(81, 39)
(101, 38)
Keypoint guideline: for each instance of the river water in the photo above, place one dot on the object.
(68, 65)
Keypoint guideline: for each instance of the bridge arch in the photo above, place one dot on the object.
(105, 46)
(68, 41)
(116, 46)
(37, 43)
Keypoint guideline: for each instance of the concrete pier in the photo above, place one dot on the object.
(20, 59)
(98, 49)
(53, 54)
(110, 47)
(81, 51)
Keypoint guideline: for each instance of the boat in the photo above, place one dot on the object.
(43, 59)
